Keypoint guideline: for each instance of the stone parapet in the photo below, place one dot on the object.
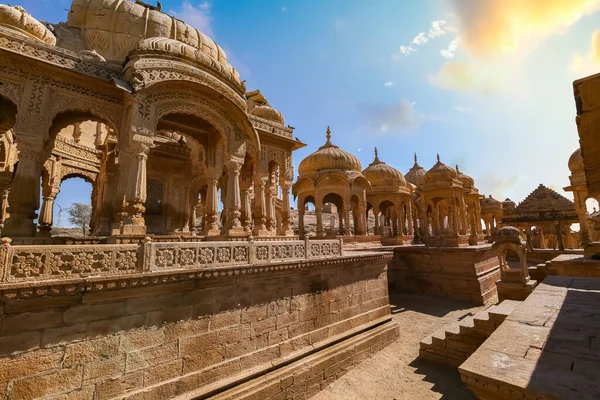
(50, 263)
(183, 332)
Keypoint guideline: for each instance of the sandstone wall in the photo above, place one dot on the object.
(466, 274)
(164, 335)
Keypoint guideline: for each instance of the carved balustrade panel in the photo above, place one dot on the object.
(26, 263)
(59, 262)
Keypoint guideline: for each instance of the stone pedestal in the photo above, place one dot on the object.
(519, 291)
(402, 240)
(466, 274)
(591, 249)
(446, 241)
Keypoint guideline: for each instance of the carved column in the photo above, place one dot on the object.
(234, 200)
(211, 208)
(260, 207)
(285, 209)
(409, 218)
(24, 197)
(319, 215)
(301, 217)
(581, 209)
(246, 210)
(347, 231)
(271, 222)
(377, 220)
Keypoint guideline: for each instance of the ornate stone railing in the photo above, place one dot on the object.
(48, 262)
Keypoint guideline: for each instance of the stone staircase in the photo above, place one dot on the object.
(454, 343)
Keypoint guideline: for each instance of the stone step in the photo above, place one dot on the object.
(503, 310)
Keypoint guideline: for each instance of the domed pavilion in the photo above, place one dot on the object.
(391, 199)
(150, 112)
(331, 175)
(444, 217)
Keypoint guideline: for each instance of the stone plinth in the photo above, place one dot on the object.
(545, 349)
(574, 265)
(446, 241)
(519, 291)
(591, 249)
(397, 240)
(467, 274)
(185, 329)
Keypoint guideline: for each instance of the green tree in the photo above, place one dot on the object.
(80, 214)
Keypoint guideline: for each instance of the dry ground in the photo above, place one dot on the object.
(396, 372)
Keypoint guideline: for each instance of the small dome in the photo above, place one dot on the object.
(440, 172)
(466, 180)
(416, 173)
(490, 202)
(508, 206)
(329, 156)
(20, 21)
(379, 173)
(576, 162)
(269, 113)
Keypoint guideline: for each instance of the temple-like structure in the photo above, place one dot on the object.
(152, 115)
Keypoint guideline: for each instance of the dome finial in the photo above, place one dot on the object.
(438, 157)
(328, 135)
(415, 157)
(457, 171)
(376, 156)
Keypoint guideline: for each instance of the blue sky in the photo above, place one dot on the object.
(486, 84)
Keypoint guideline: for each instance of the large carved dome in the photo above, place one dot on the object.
(415, 174)
(576, 162)
(329, 156)
(18, 20)
(379, 173)
(115, 27)
(440, 172)
(466, 180)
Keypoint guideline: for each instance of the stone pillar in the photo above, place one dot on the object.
(260, 207)
(347, 231)
(132, 183)
(285, 210)
(211, 208)
(246, 210)
(234, 201)
(409, 218)
(270, 208)
(542, 237)
(24, 196)
(581, 213)
(47, 213)
(319, 215)
(377, 220)
(395, 228)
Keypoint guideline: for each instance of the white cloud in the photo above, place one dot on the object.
(388, 84)
(588, 64)
(197, 16)
(452, 47)
(420, 39)
(283, 9)
(463, 109)
(437, 29)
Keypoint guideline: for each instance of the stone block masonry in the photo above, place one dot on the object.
(465, 274)
(193, 333)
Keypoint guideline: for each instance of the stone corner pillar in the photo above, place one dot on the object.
(286, 229)
(233, 227)
(24, 196)
(132, 187)
(211, 209)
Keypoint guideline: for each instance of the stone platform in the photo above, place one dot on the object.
(185, 320)
(546, 349)
(574, 265)
(466, 274)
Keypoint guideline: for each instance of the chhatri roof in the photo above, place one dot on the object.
(543, 205)
(416, 173)
(440, 172)
(329, 156)
(379, 173)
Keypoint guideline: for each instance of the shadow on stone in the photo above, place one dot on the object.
(445, 379)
